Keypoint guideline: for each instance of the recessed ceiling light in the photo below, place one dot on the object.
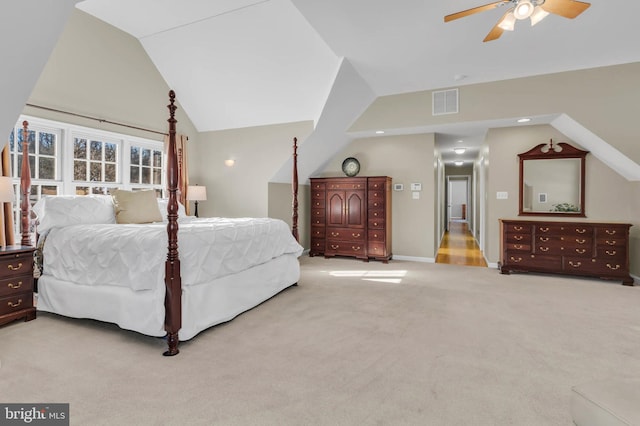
(524, 120)
(459, 163)
(379, 132)
(459, 150)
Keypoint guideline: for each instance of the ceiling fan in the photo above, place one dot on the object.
(537, 10)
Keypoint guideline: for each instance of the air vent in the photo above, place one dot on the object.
(445, 102)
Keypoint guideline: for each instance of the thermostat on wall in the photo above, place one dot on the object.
(398, 187)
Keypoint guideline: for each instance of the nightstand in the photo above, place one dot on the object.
(16, 284)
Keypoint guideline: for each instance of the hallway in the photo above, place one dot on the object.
(458, 247)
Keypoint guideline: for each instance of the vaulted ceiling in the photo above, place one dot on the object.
(240, 63)
(251, 62)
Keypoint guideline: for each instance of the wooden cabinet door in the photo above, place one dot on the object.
(336, 208)
(346, 208)
(356, 214)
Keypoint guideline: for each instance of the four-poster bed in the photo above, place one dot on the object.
(113, 272)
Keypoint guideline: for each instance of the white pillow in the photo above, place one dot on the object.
(162, 205)
(65, 210)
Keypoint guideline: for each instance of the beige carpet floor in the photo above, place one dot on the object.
(354, 344)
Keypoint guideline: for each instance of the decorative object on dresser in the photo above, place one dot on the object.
(351, 166)
(16, 284)
(552, 180)
(575, 248)
(351, 217)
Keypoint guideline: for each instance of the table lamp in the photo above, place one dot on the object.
(196, 193)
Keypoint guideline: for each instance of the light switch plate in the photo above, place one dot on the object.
(502, 195)
(415, 195)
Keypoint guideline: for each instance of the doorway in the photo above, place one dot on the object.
(458, 245)
(457, 198)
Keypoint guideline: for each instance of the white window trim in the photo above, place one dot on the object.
(67, 132)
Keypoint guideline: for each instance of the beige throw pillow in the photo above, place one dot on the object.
(136, 206)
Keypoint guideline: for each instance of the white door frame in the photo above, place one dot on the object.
(467, 180)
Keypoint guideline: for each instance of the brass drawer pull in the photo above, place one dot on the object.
(335, 246)
(610, 253)
(355, 235)
(518, 246)
(581, 231)
(580, 241)
(575, 265)
(355, 248)
(613, 267)
(335, 234)
(375, 223)
(611, 243)
(15, 268)
(15, 305)
(15, 286)
(544, 229)
(544, 239)
(610, 232)
(517, 237)
(581, 251)
(518, 228)
(544, 248)
(515, 259)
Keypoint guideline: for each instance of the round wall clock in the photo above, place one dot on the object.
(351, 166)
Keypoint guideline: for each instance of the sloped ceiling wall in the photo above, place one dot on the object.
(29, 30)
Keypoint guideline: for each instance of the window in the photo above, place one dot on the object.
(69, 159)
(94, 161)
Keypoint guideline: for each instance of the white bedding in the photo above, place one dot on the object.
(134, 255)
(115, 273)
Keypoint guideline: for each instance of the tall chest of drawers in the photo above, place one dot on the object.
(16, 284)
(576, 248)
(351, 217)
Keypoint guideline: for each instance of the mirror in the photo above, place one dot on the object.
(552, 180)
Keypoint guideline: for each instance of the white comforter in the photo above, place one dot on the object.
(134, 255)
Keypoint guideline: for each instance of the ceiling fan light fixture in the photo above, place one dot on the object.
(538, 15)
(523, 9)
(459, 150)
(508, 23)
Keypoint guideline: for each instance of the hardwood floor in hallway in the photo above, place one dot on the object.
(458, 247)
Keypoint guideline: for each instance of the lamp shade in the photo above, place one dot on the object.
(196, 193)
(6, 189)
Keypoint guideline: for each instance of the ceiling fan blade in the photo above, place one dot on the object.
(496, 31)
(567, 8)
(471, 11)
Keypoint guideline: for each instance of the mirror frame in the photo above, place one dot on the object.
(551, 151)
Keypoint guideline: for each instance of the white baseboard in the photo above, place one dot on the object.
(415, 259)
(492, 265)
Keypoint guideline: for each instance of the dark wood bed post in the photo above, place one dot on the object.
(25, 188)
(172, 280)
(294, 227)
